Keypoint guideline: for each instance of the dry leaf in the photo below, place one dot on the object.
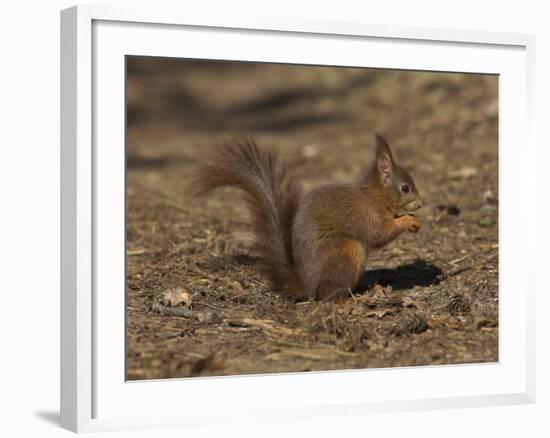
(175, 297)
(380, 313)
(464, 172)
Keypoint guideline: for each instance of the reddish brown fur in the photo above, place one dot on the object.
(315, 246)
(272, 198)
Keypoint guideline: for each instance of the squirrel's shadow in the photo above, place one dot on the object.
(417, 273)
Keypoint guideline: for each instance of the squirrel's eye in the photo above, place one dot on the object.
(405, 188)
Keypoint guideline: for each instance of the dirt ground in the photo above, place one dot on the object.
(427, 298)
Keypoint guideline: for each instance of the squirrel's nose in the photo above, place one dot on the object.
(419, 201)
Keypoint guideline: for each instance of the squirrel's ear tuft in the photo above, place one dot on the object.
(382, 147)
(384, 158)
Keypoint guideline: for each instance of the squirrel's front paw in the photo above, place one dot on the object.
(413, 224)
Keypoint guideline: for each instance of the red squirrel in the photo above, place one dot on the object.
(314, 246)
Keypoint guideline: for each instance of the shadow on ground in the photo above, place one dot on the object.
(417, 273)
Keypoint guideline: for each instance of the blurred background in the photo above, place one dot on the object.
(324, 114)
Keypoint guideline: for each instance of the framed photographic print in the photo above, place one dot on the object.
(258, 208)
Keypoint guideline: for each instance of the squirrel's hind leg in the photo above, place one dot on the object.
(341, 268)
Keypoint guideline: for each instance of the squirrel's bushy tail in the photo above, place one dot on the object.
(272, 197)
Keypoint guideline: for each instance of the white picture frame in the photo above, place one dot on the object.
(94, 395)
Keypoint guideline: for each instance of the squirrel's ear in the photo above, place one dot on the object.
(384, 158)
(382, 147)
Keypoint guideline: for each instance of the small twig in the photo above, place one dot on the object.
(454, 262)
(136, 251)
(453, 272)
(352, 295)
(266, 325)
(206, 317)
(209, 305)
(319, 353)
